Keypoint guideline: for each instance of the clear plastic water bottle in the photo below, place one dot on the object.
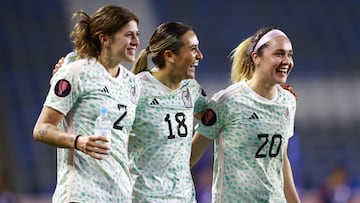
(103, 125)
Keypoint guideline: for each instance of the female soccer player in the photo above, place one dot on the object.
(251, 122)
(77, 94)
(160, 143)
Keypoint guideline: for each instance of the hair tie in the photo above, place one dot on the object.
(147, 49)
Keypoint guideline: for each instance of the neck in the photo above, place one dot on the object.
(167, 79)
(111, 65)
(265, 90)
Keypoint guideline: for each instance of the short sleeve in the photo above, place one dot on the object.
(213, 119)
(64, 90)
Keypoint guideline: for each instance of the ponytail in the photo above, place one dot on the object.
(141, 63)
(242, 65)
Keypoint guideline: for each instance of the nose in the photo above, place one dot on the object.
(199, 55)
(287, 60)
(135, 40)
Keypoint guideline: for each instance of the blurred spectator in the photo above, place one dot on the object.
(6, 194)
(336, 188)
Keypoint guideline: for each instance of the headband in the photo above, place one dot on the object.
(267, 37)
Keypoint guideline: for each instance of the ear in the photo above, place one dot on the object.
(169, 56)
(255, 58)
(104, 40)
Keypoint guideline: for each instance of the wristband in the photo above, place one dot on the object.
(76, 138)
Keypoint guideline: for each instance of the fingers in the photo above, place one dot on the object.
(58, 65)
(94, 146)
(61, 60)
(55, 70)
(97, 153)
(290, 89)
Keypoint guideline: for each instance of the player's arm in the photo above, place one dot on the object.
(198, 147)
(58, 65)
(290, 89)
(291, 194)
(70, 57)
(45, 130)
(199, 115)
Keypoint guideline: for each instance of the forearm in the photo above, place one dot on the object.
(291, 194)
(198, 147)
(46, 130)
(50, 134)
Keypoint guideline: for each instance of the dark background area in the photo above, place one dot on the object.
(325, 37)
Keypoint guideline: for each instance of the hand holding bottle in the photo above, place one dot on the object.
(93, 146)
(98, 144)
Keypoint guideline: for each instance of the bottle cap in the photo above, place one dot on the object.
(103, 110)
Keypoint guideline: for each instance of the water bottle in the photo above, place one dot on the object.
(103, 125)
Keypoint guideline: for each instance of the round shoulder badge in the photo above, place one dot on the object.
(209, 117)
(62, 88)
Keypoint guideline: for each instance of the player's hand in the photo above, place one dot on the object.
(58, 65)
(290, 89)
(94, 146)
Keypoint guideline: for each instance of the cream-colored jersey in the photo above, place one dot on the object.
(160, 144)
(79, 90)
(250, 133)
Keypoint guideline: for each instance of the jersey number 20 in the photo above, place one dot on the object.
(274, 148)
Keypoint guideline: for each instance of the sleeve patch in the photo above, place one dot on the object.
(209, 117)
(62, 88)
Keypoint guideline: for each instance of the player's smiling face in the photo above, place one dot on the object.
(126, 41)
(189, 56)
(276, 61)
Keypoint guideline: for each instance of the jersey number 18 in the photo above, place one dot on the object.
(181, 126)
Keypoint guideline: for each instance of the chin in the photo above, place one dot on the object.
(191, 76)
(129, 58)
(281, 80)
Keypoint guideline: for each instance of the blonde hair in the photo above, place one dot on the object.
(242, 63)
(242, 66)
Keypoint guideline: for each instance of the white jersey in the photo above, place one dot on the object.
(250, 133)
(79, 90)
(160, 144)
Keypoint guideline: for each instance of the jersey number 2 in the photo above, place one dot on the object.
(122, 108)
(181, 126)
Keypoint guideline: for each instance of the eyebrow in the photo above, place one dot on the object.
(284, 50)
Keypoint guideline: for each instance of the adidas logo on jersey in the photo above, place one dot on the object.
(254, 116)
(105, 90)
(154, 102)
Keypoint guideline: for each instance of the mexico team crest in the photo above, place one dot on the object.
(285, 117)
(133, 94)
(186, 97)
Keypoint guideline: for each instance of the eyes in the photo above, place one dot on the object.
(132, 34)
(282, 53)
(195, 48)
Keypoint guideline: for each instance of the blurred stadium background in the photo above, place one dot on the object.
(325, 34)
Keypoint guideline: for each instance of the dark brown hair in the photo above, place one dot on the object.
(106, 20)
(167, 36)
